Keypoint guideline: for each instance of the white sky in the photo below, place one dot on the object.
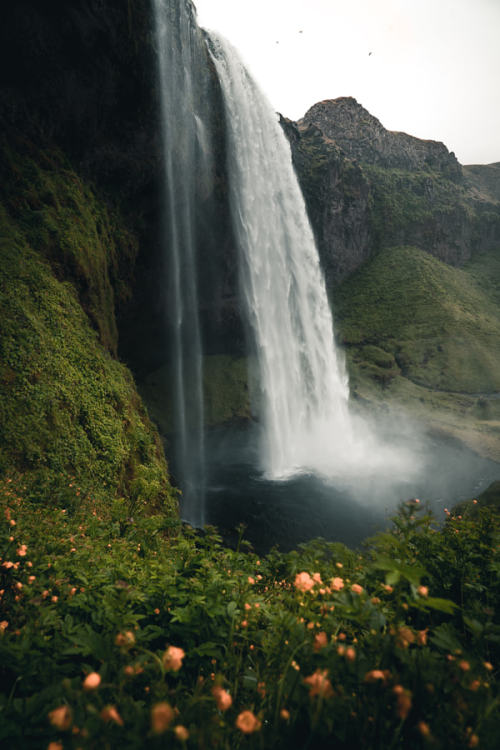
(434, 71)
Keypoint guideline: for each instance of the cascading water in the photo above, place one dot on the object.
(304, 399)
(185, 150)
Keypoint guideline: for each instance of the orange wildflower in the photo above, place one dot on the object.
(92, 681)
(374, 675)
(320, 684)
(350, 653)
(403, 701)
(61, 718)
(22, 550)
(172, 658)
(162, 715)
(222, 698)
(285, 715)
(4, 625)
(424, 729)
(303, 581)
(126, 639)
(356, 588)
(251, 580)
(54, 746)
(422, 637)
(247, 722)
(181, 733)
(317, 578)
(109, 713)
(336, 584)
(320, 641)
(464, 665)
(423, 590)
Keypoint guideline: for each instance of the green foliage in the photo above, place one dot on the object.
(438, 323)
(325, 646)
(67, 406)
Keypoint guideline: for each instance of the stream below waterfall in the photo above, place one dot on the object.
(286, 513)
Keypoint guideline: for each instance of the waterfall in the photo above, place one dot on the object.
(180, 55)
(304, 412)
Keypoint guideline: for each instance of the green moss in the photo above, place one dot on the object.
(405, 199)
(67, 406)
(225, 381)
(440, 324)
(61, 217)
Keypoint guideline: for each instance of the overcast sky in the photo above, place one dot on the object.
(430, 68)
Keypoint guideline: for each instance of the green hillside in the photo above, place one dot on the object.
(418, 330)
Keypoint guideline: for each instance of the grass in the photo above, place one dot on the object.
(191, 644)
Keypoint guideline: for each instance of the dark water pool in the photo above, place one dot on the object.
(286, 513)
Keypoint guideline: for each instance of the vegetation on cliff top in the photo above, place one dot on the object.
(119, 632)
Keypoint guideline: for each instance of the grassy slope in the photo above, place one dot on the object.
(428, 335)
(67, 405)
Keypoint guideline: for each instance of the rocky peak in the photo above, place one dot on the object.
(362, 137)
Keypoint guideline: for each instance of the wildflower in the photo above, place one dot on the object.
(248, 606)
(356, 589)
(475, 685)
(404, 637)
(222, 698)
(350, 653)
(473, 740)
(247, 722)
(423, 590)
(375, 600)
(22, 550)
(61, 718)
(92, 681)
(261, 689)
(374, 675)
(109, 713)
(31, 579)
(251, 580)
(403, 701)
(162, 715)
(7, 564)
(126, 639)
(294, 665)
(320, 641)
(172, 658)
(336, 584)
(320, 684)
(54, 746)
(339, 565)
(285, 715)
(424, 728)
(303, 581)
(244, 623)
(422, 637)
(488, 665)
(317, 578)
(388, 588)
(181, 733)
(464, 665)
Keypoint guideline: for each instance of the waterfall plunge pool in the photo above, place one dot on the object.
(348, 510)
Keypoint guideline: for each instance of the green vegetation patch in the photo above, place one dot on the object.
(66, 404)
(438, 324)
(62, 219)
(120, 632)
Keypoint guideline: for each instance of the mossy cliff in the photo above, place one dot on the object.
(68, 406)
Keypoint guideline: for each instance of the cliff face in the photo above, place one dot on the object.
(409, 191)
(363, 138)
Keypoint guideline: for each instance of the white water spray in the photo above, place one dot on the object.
(306, 421)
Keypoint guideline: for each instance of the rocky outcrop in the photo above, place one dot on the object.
(338, 199)
(367, 188)
(362, 137)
